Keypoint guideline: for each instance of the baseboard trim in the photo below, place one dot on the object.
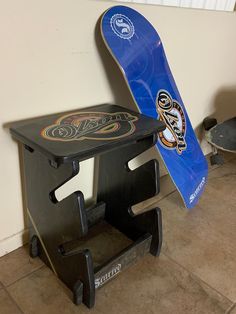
(13, 242)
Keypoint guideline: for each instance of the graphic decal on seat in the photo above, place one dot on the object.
(91, 125)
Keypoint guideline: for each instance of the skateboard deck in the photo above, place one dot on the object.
(138, 51)
(223, 135)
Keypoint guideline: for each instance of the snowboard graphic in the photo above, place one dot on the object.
(138, 50)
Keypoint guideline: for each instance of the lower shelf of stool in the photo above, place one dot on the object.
(114, 266)
(121, 261)
(96, 266)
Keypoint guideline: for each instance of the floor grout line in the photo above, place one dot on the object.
(197, 277)
(13, 300)
(231, 308)
(30, 273)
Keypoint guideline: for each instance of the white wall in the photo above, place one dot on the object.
(222, 5)
(51, 60)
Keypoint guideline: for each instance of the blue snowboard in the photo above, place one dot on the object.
(138, 50)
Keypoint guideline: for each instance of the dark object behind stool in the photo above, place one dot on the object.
(221, 136)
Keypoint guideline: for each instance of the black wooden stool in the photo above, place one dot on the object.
(53, 148)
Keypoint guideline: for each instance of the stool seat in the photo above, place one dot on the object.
(84, 133)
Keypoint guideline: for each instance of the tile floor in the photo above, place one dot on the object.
(195, 273)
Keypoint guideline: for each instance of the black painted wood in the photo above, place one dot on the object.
(120, 188)
(56, 223)
(125, 259)
(78, 135)
(52, 157)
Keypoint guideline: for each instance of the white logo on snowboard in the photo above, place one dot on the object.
(197, 191)
(122, 26)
